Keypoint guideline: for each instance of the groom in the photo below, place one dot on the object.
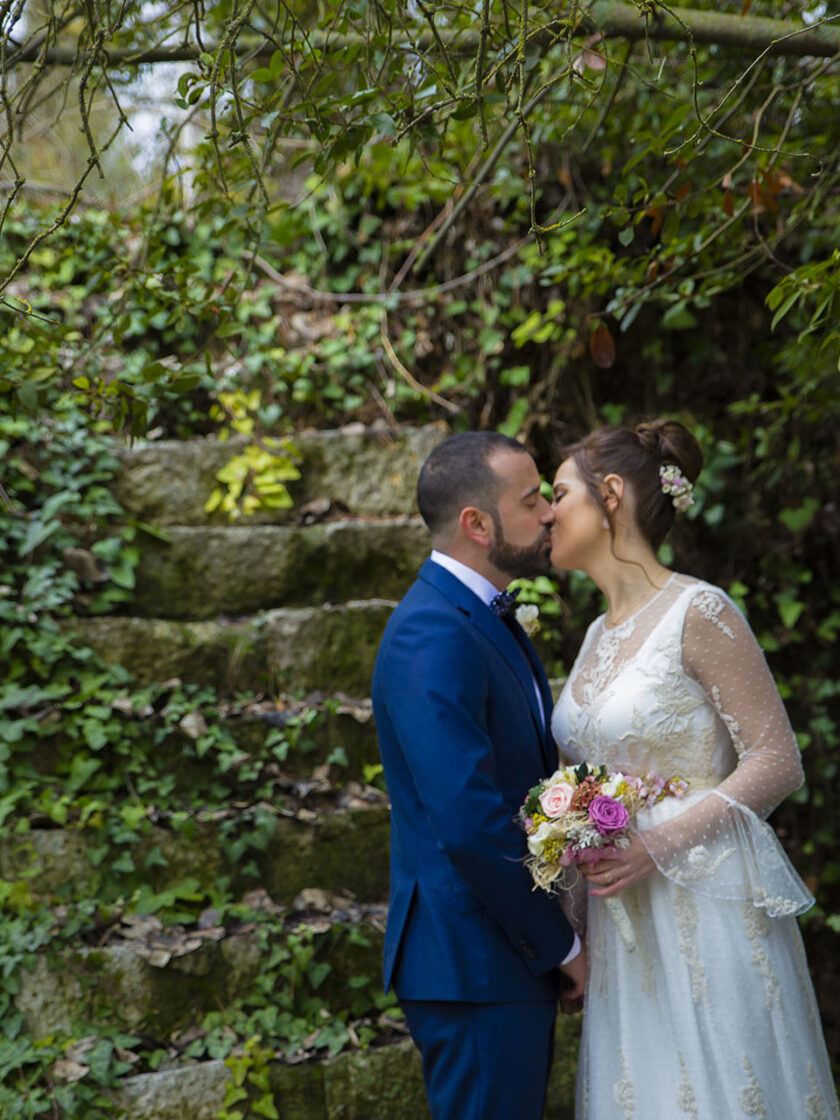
(462, 708)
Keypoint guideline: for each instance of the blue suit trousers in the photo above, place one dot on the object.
(483, 1061)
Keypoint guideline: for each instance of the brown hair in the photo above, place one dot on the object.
(636, 454)
(458, 473)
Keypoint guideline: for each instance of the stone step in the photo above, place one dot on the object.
(159, 982)
(381, 1083)
(316, 727)
(370, 472)
(337, 849)
(332, 647)
(293, 737)
(200, 573)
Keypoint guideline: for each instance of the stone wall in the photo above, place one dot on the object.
(292, 603)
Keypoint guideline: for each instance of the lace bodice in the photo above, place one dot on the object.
(682, 688)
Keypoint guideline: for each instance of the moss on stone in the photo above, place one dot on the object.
(200, 573)
(168, 482)
(47, 859)
(299, 1091)
(193, 1092)
(280, 650)
(381, 1084)
(353, 852)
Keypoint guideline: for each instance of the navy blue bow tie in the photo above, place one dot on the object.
(503, 603)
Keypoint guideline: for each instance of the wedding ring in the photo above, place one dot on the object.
(609, 878)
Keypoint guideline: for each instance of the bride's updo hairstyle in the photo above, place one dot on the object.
(636, 454)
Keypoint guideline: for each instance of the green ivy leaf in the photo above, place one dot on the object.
(798, 519)
(36, 534)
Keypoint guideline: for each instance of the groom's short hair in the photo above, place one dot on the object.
(458, 474)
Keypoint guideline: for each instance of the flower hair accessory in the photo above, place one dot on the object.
(674, 483)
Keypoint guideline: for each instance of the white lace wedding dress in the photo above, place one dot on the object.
(711, 1015)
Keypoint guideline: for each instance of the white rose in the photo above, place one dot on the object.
(538, 838)
(528, 617)
(610, 787)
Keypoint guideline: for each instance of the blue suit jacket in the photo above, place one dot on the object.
(462, 742)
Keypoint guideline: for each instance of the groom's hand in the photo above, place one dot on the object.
(571, 998)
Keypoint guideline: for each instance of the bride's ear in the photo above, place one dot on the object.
(613, 491)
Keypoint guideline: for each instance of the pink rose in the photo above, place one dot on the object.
(608, 815)
(556, 799)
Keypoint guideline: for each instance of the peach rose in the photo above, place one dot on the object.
(556, 799)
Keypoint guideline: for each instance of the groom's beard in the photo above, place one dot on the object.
(520, 561)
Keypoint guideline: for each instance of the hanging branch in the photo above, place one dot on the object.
(242, 137)
(705, 126)
(83, 107)
(62, 217)
(452, 85)
(228, 42)
(483, 172)
(6, 147)
(523, 120)
(480, 63)
(405, 374)
(608, 104)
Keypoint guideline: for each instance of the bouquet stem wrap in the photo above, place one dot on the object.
(618, 912)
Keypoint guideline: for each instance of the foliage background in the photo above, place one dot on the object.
(656, 234)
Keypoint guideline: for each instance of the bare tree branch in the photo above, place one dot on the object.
(610, 17)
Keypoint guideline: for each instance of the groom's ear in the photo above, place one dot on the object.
(476, 525)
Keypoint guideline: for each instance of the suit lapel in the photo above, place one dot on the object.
(495, 631)
(549, 750)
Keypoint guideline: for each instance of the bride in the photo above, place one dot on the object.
(707, 1012)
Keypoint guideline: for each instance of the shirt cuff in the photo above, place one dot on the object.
(573, 952)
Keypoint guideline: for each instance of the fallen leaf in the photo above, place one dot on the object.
(159, 958)
(64, 1070)
(139, 927)
(215, 933)
(193, 725)
(313, 898)
(261, 900)
(77, 1050)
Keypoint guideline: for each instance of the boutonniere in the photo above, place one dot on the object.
(528, 617)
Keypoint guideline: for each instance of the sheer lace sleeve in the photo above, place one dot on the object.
(719, 843)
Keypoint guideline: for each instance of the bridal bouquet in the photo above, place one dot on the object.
(583, 814)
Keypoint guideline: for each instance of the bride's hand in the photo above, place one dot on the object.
(609, 876)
